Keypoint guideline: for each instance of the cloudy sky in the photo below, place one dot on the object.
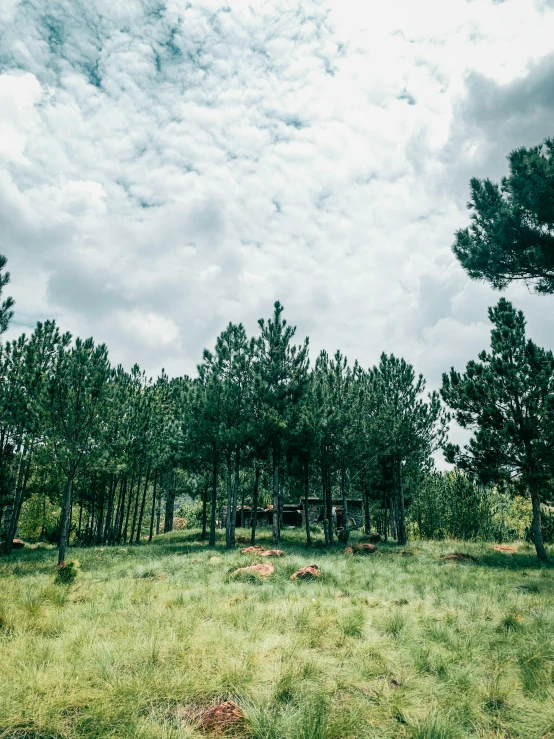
(168, 166)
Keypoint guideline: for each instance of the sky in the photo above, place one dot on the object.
(169, 166)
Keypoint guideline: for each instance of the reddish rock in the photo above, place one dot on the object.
(363, 548)
(261, 570)
(224, 718)
(349, 550)
(505, 548)
(306, 573)
(272, 553)
(18, 544)
(253, 550)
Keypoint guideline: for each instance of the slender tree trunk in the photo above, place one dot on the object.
(235, 499)
(135, 512)
(153, 512)
(329, 496)
(402, 534)
(80, 518)
(66, 516)
(101, 506)
(367, 512)
(229, 502)
(122, 495)
(129, 505)
(159, 513)
(241, 504)
(106, 534)
(205, 509)
(537, 523)
(324, 498)
(306, 496)
(143, 504)
(345, 524)
(214, 504)
(254, 518)
(276, 497)
(170, 502)
(11, 518)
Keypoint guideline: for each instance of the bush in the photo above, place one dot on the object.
(66, 573)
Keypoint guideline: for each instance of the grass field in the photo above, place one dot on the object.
(396, 644)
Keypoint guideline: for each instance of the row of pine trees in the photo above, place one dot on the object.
(260, 422)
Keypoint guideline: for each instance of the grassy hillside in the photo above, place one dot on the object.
(397, 644)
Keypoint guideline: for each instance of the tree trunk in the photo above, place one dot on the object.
(329, 497)
(100, 522)
(121, 510)
(241, 505)
(129, 503)
(170, 502)
(324, 498)
(254, 518)
(235, 499)
(11, 517)
(537, 524)
(135, 512)
(153, 512)
(159, 513)
(345, 522)
(276, 497)
(214, 504)
(142, 505)
(402, 535)
(205, 509)
(367, 512)
(66, 513)
(107, 533)
(229, 502)
(306, 496)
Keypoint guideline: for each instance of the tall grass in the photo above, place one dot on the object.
(384, 646)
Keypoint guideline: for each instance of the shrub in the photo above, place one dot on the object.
(66, 573)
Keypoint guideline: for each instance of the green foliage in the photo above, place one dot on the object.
(66, 573)
(511, 236)
(39, 519)
(453, 506)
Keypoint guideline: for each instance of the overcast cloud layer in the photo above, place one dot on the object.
(166, 167)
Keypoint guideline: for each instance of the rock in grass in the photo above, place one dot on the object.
(505, 548)
(224, 718)
(458, 557)
(18, 544)
(306, 573)
(259, 570)
(253, 550)
(361, 549)
(272, 553)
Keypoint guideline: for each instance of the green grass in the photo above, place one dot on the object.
(382, 646)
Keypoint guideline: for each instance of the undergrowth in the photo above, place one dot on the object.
(385, 646)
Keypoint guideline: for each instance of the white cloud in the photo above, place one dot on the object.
(166, 167)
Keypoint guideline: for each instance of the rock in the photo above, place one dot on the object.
(505, 548)
(458, 557)
(272, 553)
(18, 544)
(221, 719)
(349, 550)
(253, 550)
(363, 548)
(260, 570)
(306, 573)
(215, 559)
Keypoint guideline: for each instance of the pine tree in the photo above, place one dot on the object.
(505, 398)
(511, 236)
(73, 407)
(282, 369)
